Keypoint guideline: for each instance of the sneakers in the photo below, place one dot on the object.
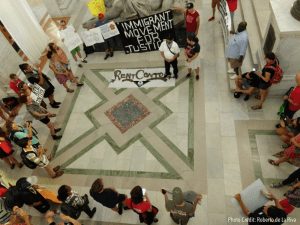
(106, 56)
(57, 130)
(84, 61)
(79, 84)
(246, 98)
(54, 105)
(233, 77)
(231, 71)
(197, 77)
(276, 185)
(56, 137)
(188, 75)
(92, 212)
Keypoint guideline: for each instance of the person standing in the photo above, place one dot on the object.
(192, 18)
(110, 42)
(108, 197)
(41, 114)
(169, 50)
(232, 4)
(73, 199)
(192, 51)
(180, 210)
(36, 76)
(214, 4)
(293, 99)
(236, 49)
(76, 51)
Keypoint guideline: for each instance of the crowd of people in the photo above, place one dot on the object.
(66, 205)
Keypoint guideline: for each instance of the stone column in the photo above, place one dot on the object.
(295, 10)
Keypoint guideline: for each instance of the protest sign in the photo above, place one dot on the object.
(96, 6)
(37, 93)
(70, 38)
(146, 34)
(92, 36)
(109, 30)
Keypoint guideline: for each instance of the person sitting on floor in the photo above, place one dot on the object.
(290, 153)
(108, 197)
(246, 84)
(288, 129)
(267, 213)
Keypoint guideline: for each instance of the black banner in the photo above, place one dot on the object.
(146, 34)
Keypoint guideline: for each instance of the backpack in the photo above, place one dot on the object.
(69, 210)
(278, 72)
(26, 161)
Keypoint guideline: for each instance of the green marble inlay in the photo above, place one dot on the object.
(172, 174)
(255, 154)
(87, 113)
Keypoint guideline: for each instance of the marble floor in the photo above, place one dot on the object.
(194, 135)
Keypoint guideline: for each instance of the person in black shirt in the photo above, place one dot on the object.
(265, 78)
(246, 84)
(36, 76)
(108, 197)
(267, 215)
(192, 51)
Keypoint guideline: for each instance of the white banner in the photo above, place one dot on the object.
(109, 30)
(92, 36)
(139, 78)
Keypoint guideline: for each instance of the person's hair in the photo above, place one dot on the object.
(12, 75)
(136, 195)
(192, 37)
(242, 26)
(271, 56)
(49, 54)
(22, 183)
(51, 47)
(62, 192)
(277, 214)
(169, 36)
(9, 127)
(20, 85)
(23, 99)
(97, 186)
(23, 66)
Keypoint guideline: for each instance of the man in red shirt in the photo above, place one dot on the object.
(192, 18)
(232, 4)
(13, 84)
(293, 99)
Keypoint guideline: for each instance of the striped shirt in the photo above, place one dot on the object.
(4, 214)
(75, 200)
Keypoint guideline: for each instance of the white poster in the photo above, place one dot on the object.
(109, 30)
(37, 93)
(70, 38)
(139, 78)
(92, 36)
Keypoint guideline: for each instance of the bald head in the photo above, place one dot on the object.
(298, 79)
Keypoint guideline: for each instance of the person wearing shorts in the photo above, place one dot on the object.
(214, 3)
(41, 114)
(76, 51)
(192, 51)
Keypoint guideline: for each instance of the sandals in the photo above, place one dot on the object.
(272, 162)
(70, 90)
(255, 107)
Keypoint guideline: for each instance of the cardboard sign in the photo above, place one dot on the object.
(96, 6)
(146, 34)
(92, 36)
(70, 38)
(37, 93)
(109, 30)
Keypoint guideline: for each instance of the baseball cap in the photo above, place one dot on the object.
(177, 196)
(189, 5)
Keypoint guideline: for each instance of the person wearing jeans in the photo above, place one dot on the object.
(292, 178)
(169, 50)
